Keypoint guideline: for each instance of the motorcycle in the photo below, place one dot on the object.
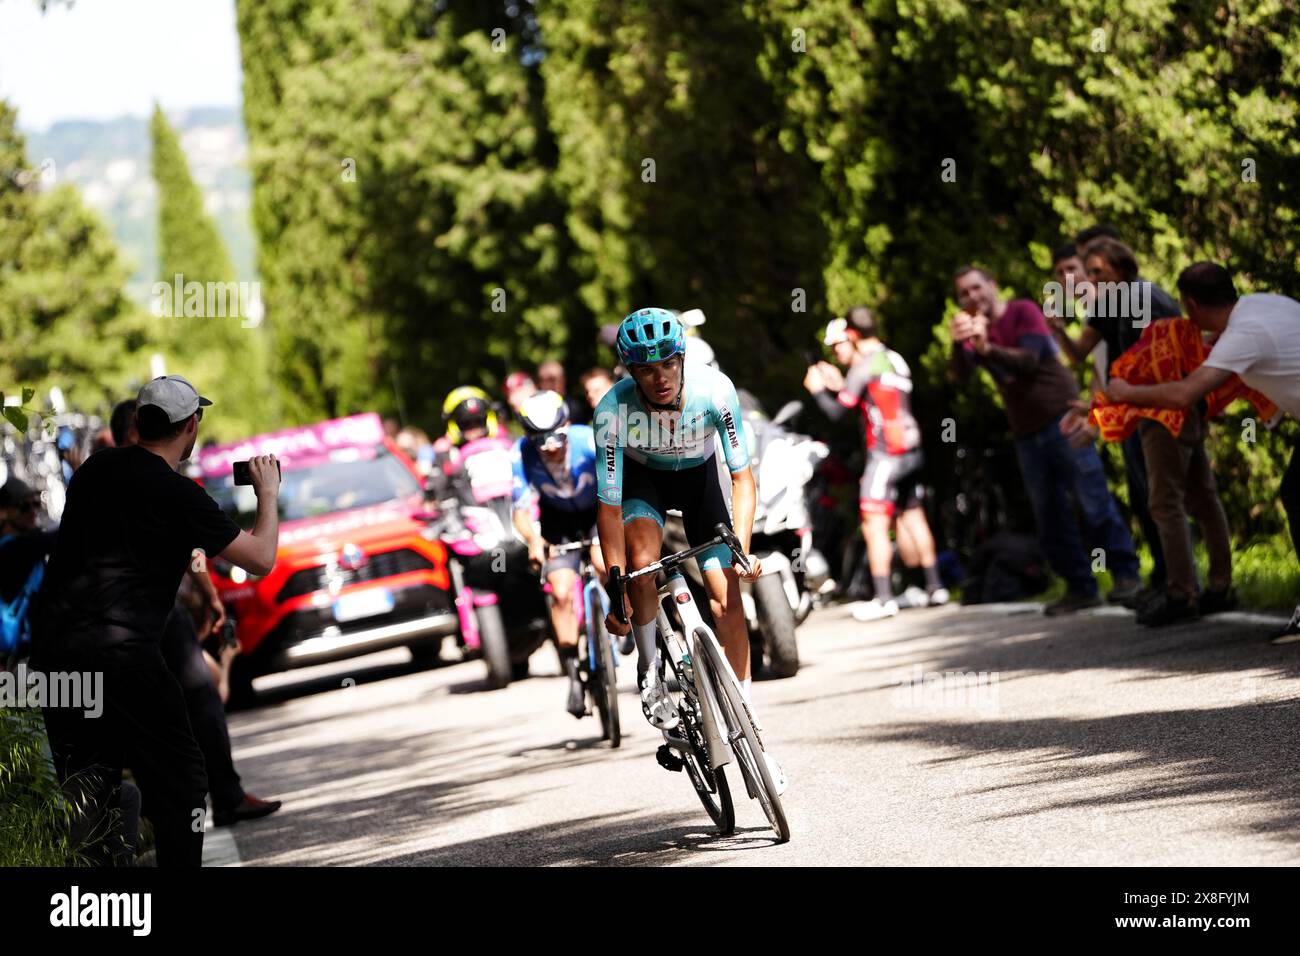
(784, 464)
(469, 511)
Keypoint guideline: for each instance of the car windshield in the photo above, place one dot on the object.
(348, 478)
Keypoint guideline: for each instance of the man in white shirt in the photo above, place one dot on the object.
(1258, 338)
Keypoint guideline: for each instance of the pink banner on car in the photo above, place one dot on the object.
(310, 441)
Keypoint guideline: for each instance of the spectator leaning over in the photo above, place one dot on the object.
(1178, 467)
(130, 527)
(879, 386)
(1258, 339)
(1112, 327)
(1011, 340)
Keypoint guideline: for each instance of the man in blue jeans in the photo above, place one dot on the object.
(1012, 341)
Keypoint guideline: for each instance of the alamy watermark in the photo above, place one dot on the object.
(208, 300)
(75, 690)
(956, 690)
(1118, 300)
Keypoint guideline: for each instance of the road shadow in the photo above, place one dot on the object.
(602, 840)
(1230, 756)
(392, 788)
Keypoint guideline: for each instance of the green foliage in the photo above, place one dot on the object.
(188, 239)
(726, 219)
(224, 355)
(64, 318)
(796, 144)
(411, 238)
(35, 816)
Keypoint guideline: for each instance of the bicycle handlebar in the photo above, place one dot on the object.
(618, 580)
(572, 546)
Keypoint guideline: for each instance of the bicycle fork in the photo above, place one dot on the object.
(719, 750)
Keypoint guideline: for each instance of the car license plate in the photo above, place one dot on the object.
(368, 603)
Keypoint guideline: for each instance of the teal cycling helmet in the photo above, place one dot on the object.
(649, 335)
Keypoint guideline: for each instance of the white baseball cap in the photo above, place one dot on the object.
(174, 395)
(836, 332)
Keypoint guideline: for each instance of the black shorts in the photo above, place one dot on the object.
(696, 492)
(562, 527)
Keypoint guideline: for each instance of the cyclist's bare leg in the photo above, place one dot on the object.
(563, 617)
(598, 562)
(729, 613)
(913, 523)
(644, 540)
(880, 553)
(908, 547)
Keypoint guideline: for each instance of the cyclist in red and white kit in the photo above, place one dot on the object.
(879, 386)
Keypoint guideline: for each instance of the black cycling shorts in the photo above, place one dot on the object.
(696, 492)
(562, 527)
(891, 483)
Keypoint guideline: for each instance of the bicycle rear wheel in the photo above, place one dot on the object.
(745, 743)
(604, 685)
(710, 785)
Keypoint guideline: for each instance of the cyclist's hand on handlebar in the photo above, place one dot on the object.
(755, 568)
(615, 626)
(537, 553)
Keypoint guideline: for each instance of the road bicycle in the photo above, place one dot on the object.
(716, 723)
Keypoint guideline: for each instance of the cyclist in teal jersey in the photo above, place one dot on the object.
(656, 435)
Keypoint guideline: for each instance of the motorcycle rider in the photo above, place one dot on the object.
(879, 385)
(555, 470)
(469, 416)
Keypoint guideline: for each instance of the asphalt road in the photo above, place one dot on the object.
(946, 736)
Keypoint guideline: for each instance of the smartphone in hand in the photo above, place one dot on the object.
(242, 475)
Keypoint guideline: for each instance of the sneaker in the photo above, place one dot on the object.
(938, 597)
(1071, 603)
(913, 597)
(656, 704)
(577, 698)
(1145, 596)
(874, 610)
(775, 772)
(1291, 633)
(1168, 609)
(1125, 593)
(1216, 602)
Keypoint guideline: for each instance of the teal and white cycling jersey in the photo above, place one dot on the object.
(667, 440)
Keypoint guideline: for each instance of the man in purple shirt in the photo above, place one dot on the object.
(1013, 342)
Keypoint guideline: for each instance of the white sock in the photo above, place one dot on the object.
(744, 689)
(646, 647)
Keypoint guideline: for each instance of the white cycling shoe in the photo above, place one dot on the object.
(874, 610)
(775, 772)
(656, 704)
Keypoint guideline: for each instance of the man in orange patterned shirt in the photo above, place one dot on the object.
(1257, 338)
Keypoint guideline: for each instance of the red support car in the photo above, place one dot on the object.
(355, 572)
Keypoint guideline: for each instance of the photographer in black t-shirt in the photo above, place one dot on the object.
(130, 526)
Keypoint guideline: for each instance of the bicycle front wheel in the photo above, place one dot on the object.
(604, 686)
(710, 785)
(745, 744)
